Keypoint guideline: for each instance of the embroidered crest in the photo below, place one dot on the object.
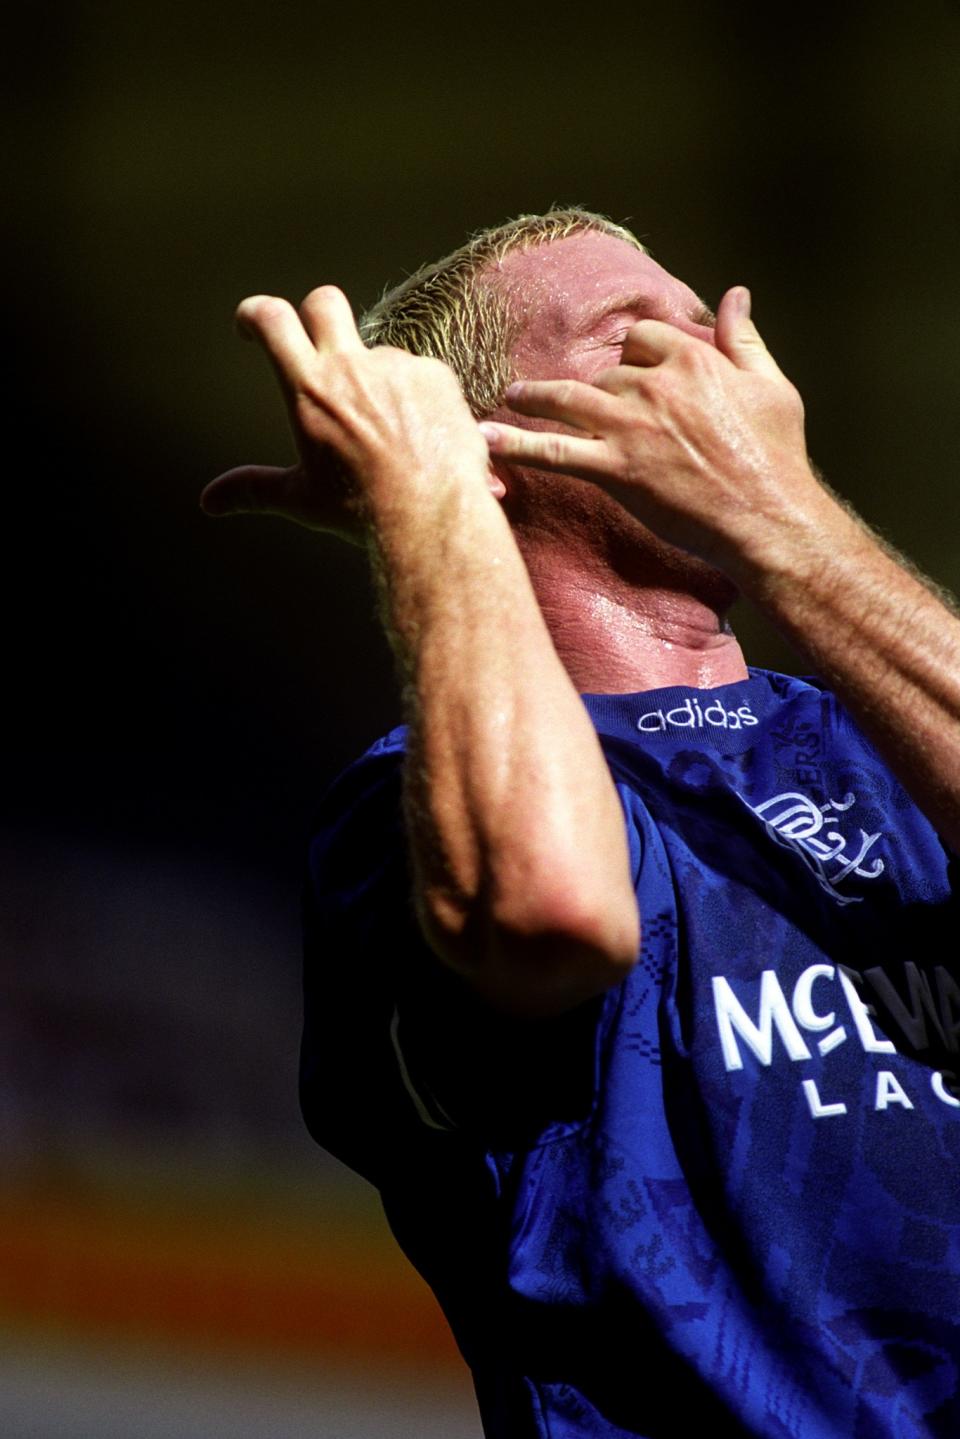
(797, 823)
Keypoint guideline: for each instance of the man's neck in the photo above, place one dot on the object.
(615, 640)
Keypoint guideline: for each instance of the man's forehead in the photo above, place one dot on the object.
(561, 282)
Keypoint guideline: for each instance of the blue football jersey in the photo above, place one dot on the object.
(723, 1198)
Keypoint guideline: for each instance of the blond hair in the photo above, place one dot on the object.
(446, 310)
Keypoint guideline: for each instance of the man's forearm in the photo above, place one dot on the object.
(707, 444)
(518, 842)
(516, 831)
(878, 636)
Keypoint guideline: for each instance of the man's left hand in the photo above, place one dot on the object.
(704, 444)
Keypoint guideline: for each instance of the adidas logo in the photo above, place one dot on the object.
(691, 715)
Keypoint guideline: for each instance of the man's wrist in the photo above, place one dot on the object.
(390, 491)
(791, 542)
(433, 538)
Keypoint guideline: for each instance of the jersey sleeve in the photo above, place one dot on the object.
(396, 1044)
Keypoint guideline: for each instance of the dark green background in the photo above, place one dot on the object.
(198, 680)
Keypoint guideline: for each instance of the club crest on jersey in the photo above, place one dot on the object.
(797, 823)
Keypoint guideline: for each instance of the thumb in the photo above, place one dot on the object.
(738, 337)
(249, 489)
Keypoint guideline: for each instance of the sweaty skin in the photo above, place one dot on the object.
(700, 436)
(533, 905)
(679, 474)
(627, 611)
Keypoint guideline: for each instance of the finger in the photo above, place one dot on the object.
(623, 380)
(328, 320)
(570, 401)
(650, 342)
(547, 450)
(251, 490)
(274, 323)
(738, 337)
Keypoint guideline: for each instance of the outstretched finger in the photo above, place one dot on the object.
(548, 450)
(275, 324)
(251, 490)
(328, 320)
(570, 401)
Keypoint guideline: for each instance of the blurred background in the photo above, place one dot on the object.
(177, 1258)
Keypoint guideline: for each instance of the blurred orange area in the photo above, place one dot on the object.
(261, 1283)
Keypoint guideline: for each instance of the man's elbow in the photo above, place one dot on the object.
(540, 950)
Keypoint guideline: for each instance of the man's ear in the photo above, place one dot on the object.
(497, 475)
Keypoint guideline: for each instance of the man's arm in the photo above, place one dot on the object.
(706, 446)
(884, 642)
(516, 832)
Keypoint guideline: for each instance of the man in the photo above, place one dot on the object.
(636, 1007)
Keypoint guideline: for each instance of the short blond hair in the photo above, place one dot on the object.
(445, 310)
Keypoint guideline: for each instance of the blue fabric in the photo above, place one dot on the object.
(725, 1197)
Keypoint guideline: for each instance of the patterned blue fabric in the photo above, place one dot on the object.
(724, 1198)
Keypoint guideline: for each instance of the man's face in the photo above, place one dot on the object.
(580, 296)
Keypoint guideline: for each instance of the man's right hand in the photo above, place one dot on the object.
(520, 860)
(358, 416)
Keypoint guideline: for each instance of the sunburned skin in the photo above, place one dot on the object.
(705, 442)
(681, 441)
(625, 610)
(656, 634)
(579, 297)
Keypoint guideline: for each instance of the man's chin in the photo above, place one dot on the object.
(690, 573)
(572, 515)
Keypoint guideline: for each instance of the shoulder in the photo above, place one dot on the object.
(385, 1019)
